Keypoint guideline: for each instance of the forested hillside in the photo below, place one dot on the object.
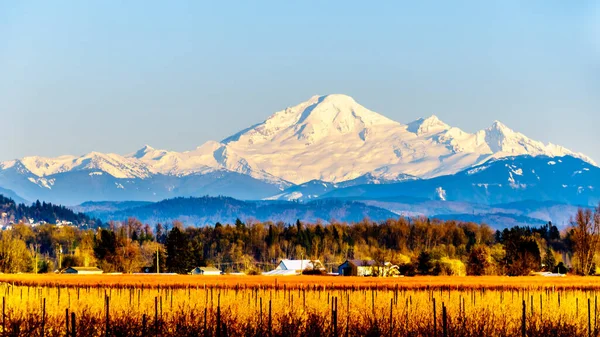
(42, 212)
(210, 210)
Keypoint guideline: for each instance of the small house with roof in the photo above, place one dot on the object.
(357, 268)
(83, 271)
(367, 268)
(207, 271)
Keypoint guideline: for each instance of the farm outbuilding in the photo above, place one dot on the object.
(295, 267)
(357, 268)
(367, 268)
(83, 270)
(207, 271)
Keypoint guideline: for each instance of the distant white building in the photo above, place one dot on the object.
(61, 223)
(295, 267)
(207, 271)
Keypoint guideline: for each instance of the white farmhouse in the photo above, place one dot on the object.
(295, 267)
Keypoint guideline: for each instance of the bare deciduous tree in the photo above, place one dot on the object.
(586, 236)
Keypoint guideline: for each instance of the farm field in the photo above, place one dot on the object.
(228, 281)
(152, 305)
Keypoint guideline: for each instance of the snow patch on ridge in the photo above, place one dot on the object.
(441, 193)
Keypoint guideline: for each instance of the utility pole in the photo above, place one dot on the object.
(37, 250)
(157, 261)
(35, 258)
(59, 257)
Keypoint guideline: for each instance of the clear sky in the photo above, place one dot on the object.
(111, 76)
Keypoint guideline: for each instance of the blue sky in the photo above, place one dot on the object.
(111, 76)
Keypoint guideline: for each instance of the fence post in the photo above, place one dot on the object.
(67, 322)
(523, 320)
(270, 320)
(335, 317)
(205, 332)
(144, 325)
(391, 315)
(444, 321)
(260, 317)
(73, 325)
(589, 318)
(155, 316)
(541, 308)
(107, 307)
(531, 305)
(434, 320)
(44, 318)
(219, 316)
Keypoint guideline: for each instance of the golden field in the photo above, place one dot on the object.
(177, 305)
(179, 281)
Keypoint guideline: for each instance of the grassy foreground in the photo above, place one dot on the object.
(151, 305)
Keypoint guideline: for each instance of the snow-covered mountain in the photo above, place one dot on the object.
(80, 185)
(333, 138)
(330, 138)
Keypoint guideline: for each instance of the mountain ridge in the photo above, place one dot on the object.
(565, 179)
(329, 138)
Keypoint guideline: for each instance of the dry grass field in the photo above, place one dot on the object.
(228, 281)
(152, 305)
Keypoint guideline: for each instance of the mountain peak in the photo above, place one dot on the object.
(499, 126)
(336, 110)
(141, 153)
(427, 125)
(316, 119)
(338, 99)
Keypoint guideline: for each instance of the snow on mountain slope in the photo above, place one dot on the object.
(566, 180)
(327, 138)
(201, 160)
(209, 157)
(113, 164)
(333, 138)
(504, 142)
(316, 188)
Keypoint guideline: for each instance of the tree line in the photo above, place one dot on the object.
(419, 246)
(42, 212)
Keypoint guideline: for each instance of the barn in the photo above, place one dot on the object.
(368, 268)
(207, 271)
(83, 270)
(357, 268)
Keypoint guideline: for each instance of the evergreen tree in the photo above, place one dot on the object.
(424, 264)
(179, 254)
(549, 260)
